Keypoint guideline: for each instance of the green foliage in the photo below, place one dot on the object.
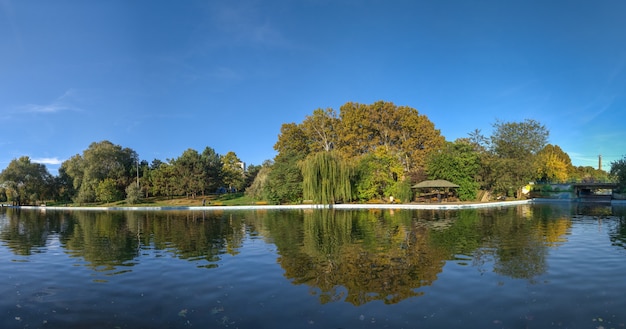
(133, 194)
(589, 174)
(514, 146)
(401, 130)
(100, 161)
(25, 182)
(194, 173)
(378, 174)
(233, 171)
(618, 171)
(163, 180)
(257, 189)
(518, 140)
(326, 178)
(107, 191)
(403, 191)
(284, 181)
(459, 164)
(359, 131)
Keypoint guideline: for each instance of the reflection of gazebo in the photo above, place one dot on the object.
(434, 187)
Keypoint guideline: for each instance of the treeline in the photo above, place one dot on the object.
(380, 150)
(105, 172)
(365, 152)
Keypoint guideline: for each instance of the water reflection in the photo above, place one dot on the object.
(353, 256)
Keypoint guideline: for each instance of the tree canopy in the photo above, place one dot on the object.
(387, 142)
(363, 152)
(24, 181)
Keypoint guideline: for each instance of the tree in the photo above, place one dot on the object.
(133, 194)
(515, 145)
(250, 175)
(107, 191)
(25, 181)
(321, 130)
(190, 173)
(459, 164)
(284, 180)
(408, 135)
(618, 170)
(163, 179)
(589, 174)
(518, 140)
(100, 161)
(553, 165)
(326, 178)
(233, 172)
(358, 131)
(257, 189)
(213, 169)
(378, 173)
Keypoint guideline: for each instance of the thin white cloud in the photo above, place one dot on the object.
(60, 104)
(595, 108)
(48, 161)
(583, 159)
(49, 108)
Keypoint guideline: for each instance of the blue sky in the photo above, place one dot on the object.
(163, 76)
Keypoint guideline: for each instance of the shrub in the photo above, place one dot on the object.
(133, 194)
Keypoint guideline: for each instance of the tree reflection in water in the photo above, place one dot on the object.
(357, 256)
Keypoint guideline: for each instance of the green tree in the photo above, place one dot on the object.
(107, 191)
(213, 170)
(284, 180)
(618, 171)
(517, 140)
(327, 178)
(458, 163)
(378, 173)
(250, 175)
(163, 179)
(100, 161)
(133, 193)
(515, 145)
(257, 189)
(233, 172)
(190, 173)
(589, 174)
(26, 182)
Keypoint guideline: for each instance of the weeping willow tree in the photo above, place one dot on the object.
(326, 178)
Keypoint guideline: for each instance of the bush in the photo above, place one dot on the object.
(107, 191)
(133, 194)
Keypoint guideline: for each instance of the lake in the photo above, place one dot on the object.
(525, 266)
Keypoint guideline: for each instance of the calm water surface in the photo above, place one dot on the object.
(531, 266)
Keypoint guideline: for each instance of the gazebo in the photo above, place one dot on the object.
(434, 187)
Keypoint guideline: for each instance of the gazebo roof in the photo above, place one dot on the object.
(437, 183)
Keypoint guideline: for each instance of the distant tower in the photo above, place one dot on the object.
(600, 162)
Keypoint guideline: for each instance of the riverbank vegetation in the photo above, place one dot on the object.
(364, 153)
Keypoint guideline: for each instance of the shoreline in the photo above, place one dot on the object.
(347, 206)
(439, 206)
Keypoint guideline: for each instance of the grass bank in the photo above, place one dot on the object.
(230, 199)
